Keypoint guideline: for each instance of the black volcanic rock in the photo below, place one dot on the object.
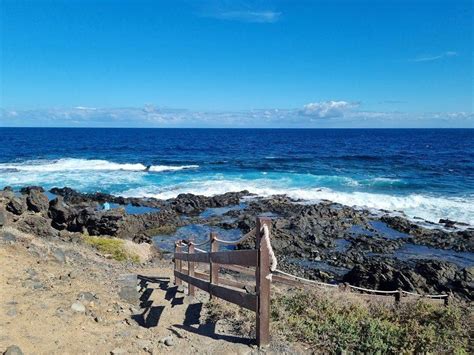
(37, 201)
(37, 225)
(194, 204)
(17, 205)
(60, 213)
(26, 190)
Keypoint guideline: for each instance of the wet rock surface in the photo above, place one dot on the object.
(325, 241)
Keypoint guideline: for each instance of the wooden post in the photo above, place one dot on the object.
(214, 268)
(398, 297)
(190, 266)
(262, 273)
(178, 263)
(448, 300)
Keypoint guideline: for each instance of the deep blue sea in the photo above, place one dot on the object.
(428, 173)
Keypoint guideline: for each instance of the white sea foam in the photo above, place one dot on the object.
(427, 207)
(71, 164)
(160, 168)
(131, 180)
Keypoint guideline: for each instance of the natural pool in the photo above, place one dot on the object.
(200, 233)
(219, 211)
(416, 252)
(379, 228)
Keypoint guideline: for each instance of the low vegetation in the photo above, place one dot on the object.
(162, 230)
(328, 322)
(115, 248)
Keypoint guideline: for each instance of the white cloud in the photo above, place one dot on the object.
(435, 57)
(85, 108)
(317, 114)
(248, 16)
(327, 109)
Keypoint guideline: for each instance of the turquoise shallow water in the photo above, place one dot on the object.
(424, 173)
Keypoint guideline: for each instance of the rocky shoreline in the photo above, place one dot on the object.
(324, 241)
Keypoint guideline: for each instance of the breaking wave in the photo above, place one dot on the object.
(430, 208)
(71, 164)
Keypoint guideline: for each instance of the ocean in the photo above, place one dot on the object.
(426, 173)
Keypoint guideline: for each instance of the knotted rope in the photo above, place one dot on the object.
(273, 260)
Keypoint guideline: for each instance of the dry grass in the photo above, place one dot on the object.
(113, 248)
(143, 251)
(240, 319)
(331, 322)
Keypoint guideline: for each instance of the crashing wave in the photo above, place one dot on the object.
(431, 208)
(71, 164)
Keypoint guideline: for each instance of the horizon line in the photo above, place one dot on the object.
(237, 128)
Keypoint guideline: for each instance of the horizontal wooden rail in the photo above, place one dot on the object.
(223, 281)
(240, 257)
(241, 269)
(240, 298)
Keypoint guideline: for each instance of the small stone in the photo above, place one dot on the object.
(78, 307)
(98, 319)
(13, 350)
(144, 344)
(31, 272)
(34, 284)
(86, 296)
(168, 341)
(8, 237)
(12, 312)
(118, 351)
(73, 274)
(59, 256)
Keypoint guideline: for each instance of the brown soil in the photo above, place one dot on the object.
(39, 288)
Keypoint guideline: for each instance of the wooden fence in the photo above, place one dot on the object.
(229, 290)
(257, 298)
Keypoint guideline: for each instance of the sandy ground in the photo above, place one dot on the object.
(41, 280)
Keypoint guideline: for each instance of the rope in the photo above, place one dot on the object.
(238, 241)
(427, 296)
(274, 263)
(271, 253)
(202, 243)
(370, 290)
(410, 293)
(319, 283)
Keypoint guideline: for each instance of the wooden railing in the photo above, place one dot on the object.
(226, 289)
(255, 262)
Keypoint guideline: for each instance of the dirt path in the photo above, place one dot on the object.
(63, 298)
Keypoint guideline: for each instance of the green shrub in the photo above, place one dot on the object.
(332, 324)
(113, 247)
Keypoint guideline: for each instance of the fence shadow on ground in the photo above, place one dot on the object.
(150, 315)
(192, 324)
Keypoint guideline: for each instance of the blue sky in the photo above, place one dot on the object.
(336, 63)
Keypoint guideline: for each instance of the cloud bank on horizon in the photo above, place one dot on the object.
(324, 114)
